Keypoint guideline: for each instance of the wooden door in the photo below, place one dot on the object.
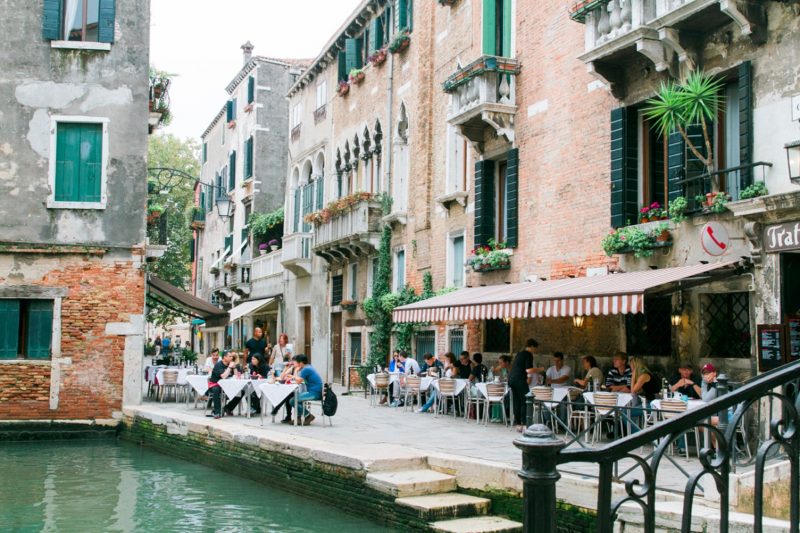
(307, 332)
(336, 346)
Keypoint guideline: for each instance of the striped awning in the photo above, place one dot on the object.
(611, 294)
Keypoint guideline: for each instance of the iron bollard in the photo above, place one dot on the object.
(529, 409)
(540, 448)
(722, 389)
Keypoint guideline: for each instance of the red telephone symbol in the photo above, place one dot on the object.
(710, 232)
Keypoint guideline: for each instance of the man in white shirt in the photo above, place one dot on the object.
(409, 366)
(211, 361)
(558, 375)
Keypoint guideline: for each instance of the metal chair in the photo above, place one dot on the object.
(577, 411)
(381, 387)
(477, 400)
(412, 388)
(447, 389)
(672, 408)
(605, 404)
(544, 397)
(170, 383)
(495, 394)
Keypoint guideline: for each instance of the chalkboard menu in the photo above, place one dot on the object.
(793, 337)
(770, 346)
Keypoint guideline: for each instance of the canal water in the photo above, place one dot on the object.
(109, 486)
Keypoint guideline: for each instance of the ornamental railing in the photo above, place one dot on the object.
(543, 452)
(733, 180)
(487, 80)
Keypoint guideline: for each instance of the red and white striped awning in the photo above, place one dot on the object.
(612, 294)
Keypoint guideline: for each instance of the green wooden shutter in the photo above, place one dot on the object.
(375, 35)
(9, 329)
(694, 167)
(205, 152)
(79, 149)
(745, 89)
(484, 202)
(489, 28)
(40, 329)
(675, 165)
(343, 72)
(308, 203)
(91, 154)
(624, 173)
(320, 191)
(506, 52)
(512, 184)
(229, 111)
(51, 21)
(105, 33)
(191, 250)
(353, 49)
(232, 171)
(228, 246)
(251, 90)
(248, 158)
(297, 209)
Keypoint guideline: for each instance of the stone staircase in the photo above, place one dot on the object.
(432, 496)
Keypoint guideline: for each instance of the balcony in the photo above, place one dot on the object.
(350, 234)
(198, 218)
(267, 274)
(297, 253)
(483, 98)
(664, 31)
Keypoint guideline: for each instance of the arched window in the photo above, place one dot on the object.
(377, 150)
(339, 172)
(366, 157)
(401, 170)
(307, 186)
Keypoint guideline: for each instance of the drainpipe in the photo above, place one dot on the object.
(389, 134)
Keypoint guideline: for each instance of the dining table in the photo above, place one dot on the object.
(272, 394)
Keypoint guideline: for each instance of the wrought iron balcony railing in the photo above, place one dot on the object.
(732, 180)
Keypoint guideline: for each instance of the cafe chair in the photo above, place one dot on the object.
(495, 395)
(605, 404)
(477, 400)
(543, 408)
(673, 408)
(577, 411)
(380, 388)
(170, 384)
(412, 388)
(447, 389)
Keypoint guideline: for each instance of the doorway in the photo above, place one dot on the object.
(336, 346)
(307, 332)
(790, 284)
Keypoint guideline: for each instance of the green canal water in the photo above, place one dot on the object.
(110, 486)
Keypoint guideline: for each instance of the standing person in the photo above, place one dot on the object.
(619, 377)
(165, 345)
(281, 353)
(464, 365)
(559, 374)
(221, 370)
(308, 375)
(593, 374)
(686, 383)
(257, 345)
(157, 344)
(518, 378)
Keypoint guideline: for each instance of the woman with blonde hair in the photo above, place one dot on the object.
(643, 383)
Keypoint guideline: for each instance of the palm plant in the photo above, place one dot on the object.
(678, 106)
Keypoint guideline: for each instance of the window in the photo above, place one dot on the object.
(26, 329)
(248, 158)
(352, 280)
(456, 344)
(353, 50)
(308, 203)
(650, 333)
(355, 349)
(205, 152)
(455, 260)
(79, 20)
(230, 110)
(404, 11)
(78, 161)
(387, 24)
(232, 171)
(497, 27)
(424, 342)
(459, 161)
(251, 90)
(337, 287)
(726, 325)
(399, 270)
(496, 199)
(497, 337)
(322, 94)
(375, 35)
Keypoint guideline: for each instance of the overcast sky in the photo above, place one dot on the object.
(200, 40)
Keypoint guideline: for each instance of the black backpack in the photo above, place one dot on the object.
(329, 401)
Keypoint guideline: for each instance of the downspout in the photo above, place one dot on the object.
(390, 131)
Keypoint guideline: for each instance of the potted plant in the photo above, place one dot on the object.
(486, 258)
(214, 270)
(262, 248)
(661, 232)
(356, 76)
(154, 212)
(677, 209)
(446, 2)
(718, 203)
(273, 244)
(343, 88)
(754, 190)
(400, 42)
(348, 305)
(644, 215)
(378, 58)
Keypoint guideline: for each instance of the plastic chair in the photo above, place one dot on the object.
(170, 383)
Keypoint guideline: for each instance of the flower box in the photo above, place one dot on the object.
(343, 88)
(231, 124)
(489, 258)
(400, 42)
(356, 76)
(378, 58)
(348, 305)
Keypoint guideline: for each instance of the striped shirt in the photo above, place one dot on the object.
(615, 379)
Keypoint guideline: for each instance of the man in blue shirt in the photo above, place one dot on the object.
(308, 375)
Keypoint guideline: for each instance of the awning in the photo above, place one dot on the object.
(195, 306)
(597, 295)
(250, 307)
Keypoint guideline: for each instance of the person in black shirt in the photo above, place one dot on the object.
(479, 372)
(431, 363)
(257, 346)
(221, 370)
(464, 365)
(521, 369)
(686, 383)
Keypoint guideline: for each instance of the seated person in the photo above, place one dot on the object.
(559, 374)
(393, 362)
(211, 361)
(224, 368)
(686, 383)
(431, 365)
(500, 370)
(258, 367)
(479, 373)
(593, 374)
(709, 385)
(308, 375)
(287, 377)
(464, 365)
(619, 377)
(409, 364)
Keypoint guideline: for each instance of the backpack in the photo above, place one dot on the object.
(329, 401)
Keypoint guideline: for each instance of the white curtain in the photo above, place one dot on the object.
(71, 9)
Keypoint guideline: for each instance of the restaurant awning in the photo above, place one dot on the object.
(193, 305)
(250, 307)
(596, 295)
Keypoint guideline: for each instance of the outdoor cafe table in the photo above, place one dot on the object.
(623, 398)
(182, 375)
(199, 383)
(273, 394)
(691, 404)
(460, 384)
(233, 386)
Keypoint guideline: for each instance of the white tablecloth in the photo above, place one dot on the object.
(623, 398)
(691, 404)
(275, 393)
(559, 393)
(460, 384)
(182, 374)
(425, 383)
(232, 387)
(482, 389)
(392, 378)
(150, 373)
(199, 383)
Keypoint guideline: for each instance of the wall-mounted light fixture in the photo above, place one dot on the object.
(507, 319)
(224, 204)
(793, 159)
(577, 321)
(676, 318)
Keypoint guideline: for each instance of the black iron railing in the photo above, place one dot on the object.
(543, 452)
(733, 180)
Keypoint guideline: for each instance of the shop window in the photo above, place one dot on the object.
(497, 337)
(424, 342)
(26, 329)
(726, 325)
(650, 333)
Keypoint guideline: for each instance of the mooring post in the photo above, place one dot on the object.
(529, 409)
(539, 474)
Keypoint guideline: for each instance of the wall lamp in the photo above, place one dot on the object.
(577, 321)
(793, 159)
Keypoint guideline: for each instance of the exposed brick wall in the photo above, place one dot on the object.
(100, 291)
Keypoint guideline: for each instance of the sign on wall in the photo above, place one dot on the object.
(782, 237)
(770, 346)
(714, 239)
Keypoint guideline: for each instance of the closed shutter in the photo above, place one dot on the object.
(343, 72)
(320, 191)
(308, 203)
(228, 245)
(79, 149)
(458, 261)
(251, 90)
(202, 200)
(205, 152)
(297, 209)
(375, 35)
(695, 167)
(229, 111)
(248, 158)
(40, 329)
(676, 148)
(484, 202)
(489, 28)
(9, 329)
(51, 21)
(105, 33)
(191, 250)
(745, 89)
(506, 52)
(352, 48)
(512, 185)
(232, 171)
(402, 14)
(624, 173)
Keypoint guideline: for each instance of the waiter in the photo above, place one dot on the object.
(257, 346)
(518, 378)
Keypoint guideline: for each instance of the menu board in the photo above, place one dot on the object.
(770, 346)
(793, 337)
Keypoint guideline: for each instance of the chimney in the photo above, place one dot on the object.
(247, 49)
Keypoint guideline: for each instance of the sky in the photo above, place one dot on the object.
(199, 41)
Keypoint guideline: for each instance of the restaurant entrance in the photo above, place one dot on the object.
(336, 346)
(790, 283)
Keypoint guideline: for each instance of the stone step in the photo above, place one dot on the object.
(411, 482)
(478, 524)
(444, 506)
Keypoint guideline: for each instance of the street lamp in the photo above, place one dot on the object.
(224, 204)
(793, 159)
